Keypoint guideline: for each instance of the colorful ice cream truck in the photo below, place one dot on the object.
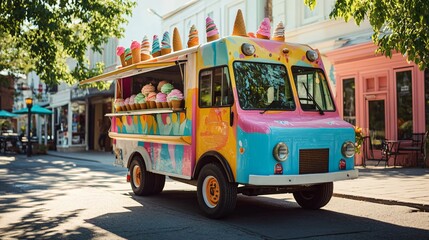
(251, 116)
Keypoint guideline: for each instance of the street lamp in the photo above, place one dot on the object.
(29, 102)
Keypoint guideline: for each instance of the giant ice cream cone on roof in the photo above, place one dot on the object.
(156, 51)
(177, 41)
(193, 37)
(211, 30)
(165, 44)
(145, 52)
(120, 51)
(135, 51)
(239, 26)
(279, 33)
(264, 30)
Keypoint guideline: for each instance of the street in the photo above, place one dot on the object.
(47, 197)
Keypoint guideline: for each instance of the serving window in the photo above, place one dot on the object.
(149, 86)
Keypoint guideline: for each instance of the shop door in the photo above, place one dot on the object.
(376, 118)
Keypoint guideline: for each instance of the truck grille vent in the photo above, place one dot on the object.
(313, 161)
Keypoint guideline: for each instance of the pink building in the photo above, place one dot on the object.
(387, 98)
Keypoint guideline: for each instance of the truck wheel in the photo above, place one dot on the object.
(316, 198)
(159, 183)
(216, 196)
(142, 181)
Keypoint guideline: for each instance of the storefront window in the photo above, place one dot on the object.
(63, 126)
(405, 104)
(349, 99)
(78, 122)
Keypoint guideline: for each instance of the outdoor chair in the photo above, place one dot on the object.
(368, 152)
(416, 145)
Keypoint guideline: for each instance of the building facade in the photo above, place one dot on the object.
(78, 113)
(386, 97)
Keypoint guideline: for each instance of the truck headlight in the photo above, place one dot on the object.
(281, 152)
(312, 55)
(348, 149)
(248, 49)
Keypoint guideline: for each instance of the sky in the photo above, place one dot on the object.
(142, 22)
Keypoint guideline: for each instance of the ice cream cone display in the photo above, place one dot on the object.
(150, 100)
(160, 84)
(176, 104)
(146, 89)
(177, 41)
(120, 51)
(140, 101)
(145, 52)
(239, 26)
(132, 103)
(193, 40)
(165, 44)
(211, 30)
(161, 98)
(128, 57)
(279, 33)
(119, 104)
(156, 51)
(175, 99)
(264, 31)
(135, 51)
(127, 104)
(166, 88)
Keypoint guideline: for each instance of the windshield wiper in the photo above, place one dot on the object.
(274, 103)
(312, 99)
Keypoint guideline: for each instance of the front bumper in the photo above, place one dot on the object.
(303, 179)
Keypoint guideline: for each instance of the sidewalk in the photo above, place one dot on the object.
(393, 186)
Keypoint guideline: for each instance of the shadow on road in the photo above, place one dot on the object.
(30, 187)
(27, 185)
(175, 215)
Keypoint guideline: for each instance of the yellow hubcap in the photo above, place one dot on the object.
(212, 191)
(136, 176)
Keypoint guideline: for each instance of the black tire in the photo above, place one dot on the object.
(315, 199)
(216, 196)
(142, 181)
(159, 183)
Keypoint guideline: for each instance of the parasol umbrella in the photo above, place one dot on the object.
(6, 114)
(35, 109)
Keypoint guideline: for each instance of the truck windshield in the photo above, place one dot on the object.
(313, 90)
(263, 86)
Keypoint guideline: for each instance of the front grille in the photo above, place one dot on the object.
(313, 160)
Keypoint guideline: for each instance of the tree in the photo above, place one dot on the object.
(43, 35)
(401, 26)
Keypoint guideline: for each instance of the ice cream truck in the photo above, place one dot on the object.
(251, 116)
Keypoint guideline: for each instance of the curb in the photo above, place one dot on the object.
(420, 207)
(75, 158)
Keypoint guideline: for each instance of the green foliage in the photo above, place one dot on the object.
(401, 26)
(43, 35)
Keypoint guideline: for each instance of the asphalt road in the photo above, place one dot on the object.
(47, 197)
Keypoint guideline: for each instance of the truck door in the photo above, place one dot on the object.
(214, 112)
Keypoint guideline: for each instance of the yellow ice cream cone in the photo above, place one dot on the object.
(239, 26)
(177, 41)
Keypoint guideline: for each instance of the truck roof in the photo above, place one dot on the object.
(144, 66)
(175, 58)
